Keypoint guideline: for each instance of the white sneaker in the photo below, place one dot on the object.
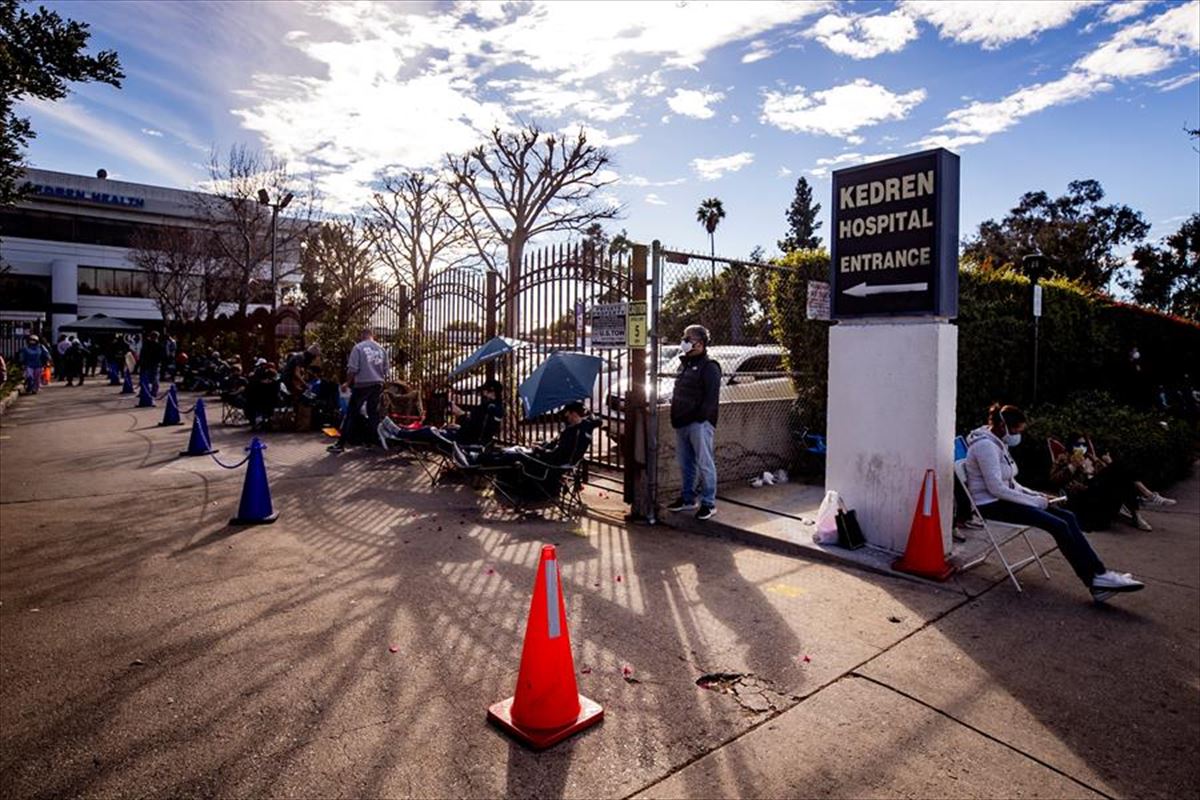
(781, 476)
(1116, 582)
(768, 479)
(1101, 596)
(1125, 512)
(1140, 523)
(1159, 501)
(757, 483)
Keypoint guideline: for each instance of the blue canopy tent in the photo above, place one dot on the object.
(488, 351)
(562, 378)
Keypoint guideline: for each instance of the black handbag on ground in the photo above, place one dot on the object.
(850, 535)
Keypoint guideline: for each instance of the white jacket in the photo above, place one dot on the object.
(991, 472)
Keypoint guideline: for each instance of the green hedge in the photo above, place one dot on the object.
(806, 341)
(1158, 451)
(1085, 379)
(1084, 343)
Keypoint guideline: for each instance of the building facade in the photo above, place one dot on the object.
(65, 250)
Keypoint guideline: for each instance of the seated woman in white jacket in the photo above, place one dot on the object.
(991, 480)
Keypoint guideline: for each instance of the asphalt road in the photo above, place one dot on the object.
(149, 649)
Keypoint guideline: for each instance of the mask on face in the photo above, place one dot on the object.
(1081, 449)
(1012, 439)
(685, 347)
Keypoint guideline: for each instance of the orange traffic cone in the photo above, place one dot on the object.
(924, 555)
(547, 706)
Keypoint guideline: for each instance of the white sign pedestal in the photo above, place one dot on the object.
(892, 394)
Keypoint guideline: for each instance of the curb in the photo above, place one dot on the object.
(8, 400)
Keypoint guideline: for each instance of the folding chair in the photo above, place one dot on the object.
(231, 414)
(998, 533)
(532, 485)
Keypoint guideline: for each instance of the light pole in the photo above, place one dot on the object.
(1035, 265)
(265, 199)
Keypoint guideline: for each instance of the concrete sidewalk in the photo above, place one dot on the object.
(149, 649)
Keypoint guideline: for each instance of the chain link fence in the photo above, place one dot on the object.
(771, 399)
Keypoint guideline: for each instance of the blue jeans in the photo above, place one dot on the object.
(1059, 523)
(694, 449)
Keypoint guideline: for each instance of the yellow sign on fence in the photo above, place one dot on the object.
(635, 324)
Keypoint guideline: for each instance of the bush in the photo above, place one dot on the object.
(806, 341)
(1084, 344)
(1158, 451)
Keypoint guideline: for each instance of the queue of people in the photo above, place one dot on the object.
(991, 481)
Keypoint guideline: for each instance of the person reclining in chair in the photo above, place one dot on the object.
(991, 481)
(562, 451)
(479, 425)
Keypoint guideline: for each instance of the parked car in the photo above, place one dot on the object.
(747, 373)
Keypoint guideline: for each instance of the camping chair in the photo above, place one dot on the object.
(1056, 448)
(532, 485)
(998, 533)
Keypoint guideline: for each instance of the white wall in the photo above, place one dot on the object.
(892, 394)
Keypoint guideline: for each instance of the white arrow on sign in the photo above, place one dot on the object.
(865, 289)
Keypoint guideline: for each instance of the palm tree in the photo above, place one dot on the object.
(709, 214)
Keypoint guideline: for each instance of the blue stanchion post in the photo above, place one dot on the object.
(255, 507)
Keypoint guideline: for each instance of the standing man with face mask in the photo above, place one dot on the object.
(694, 404)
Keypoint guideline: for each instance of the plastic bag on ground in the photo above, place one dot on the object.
(827, 532)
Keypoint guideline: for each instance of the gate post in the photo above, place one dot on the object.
(489, 321)
(634, 444)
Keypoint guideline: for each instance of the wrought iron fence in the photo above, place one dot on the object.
(430, 329)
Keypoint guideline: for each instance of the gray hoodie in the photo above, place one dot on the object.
(992, 473)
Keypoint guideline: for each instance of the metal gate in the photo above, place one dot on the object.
(432, 328)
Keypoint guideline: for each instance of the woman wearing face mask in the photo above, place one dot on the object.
(991, 480)
(1100, 489)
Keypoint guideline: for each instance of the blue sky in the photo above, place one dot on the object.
(734, 100)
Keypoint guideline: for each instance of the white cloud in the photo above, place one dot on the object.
(735, 119)
(864, 36)
(758, 51)
(825, 165)
(638, 180)
(839, 111)
(1178, 82)
(1136, 50)
(599, 137)
(386, 85)
(74, 122)
(152, 132)
(1146, 47)
(694, 102)
(977, 121)
(783, 172)
(1118, 12)
(993, 24)
(710, 169)
(655, 200)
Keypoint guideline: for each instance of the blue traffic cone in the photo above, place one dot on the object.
(171, 412)
(127, 387)
(114, 378)
(255, 507)
(199, 444)
(145, 396)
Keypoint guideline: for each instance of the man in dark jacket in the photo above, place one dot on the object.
(150, 361)
(694, 404)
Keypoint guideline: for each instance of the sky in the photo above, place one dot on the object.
(732, 100)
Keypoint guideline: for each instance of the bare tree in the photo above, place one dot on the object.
(414, 230)
(182, 274)
(241, 224)
(524, 183)
(338, 285)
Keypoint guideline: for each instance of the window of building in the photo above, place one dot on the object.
(113, 282)
(87, 280)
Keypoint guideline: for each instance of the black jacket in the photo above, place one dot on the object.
(482, 423)
(697, 391)
(570, 446)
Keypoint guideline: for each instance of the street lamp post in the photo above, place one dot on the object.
(264, 198)
(1035, 265)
